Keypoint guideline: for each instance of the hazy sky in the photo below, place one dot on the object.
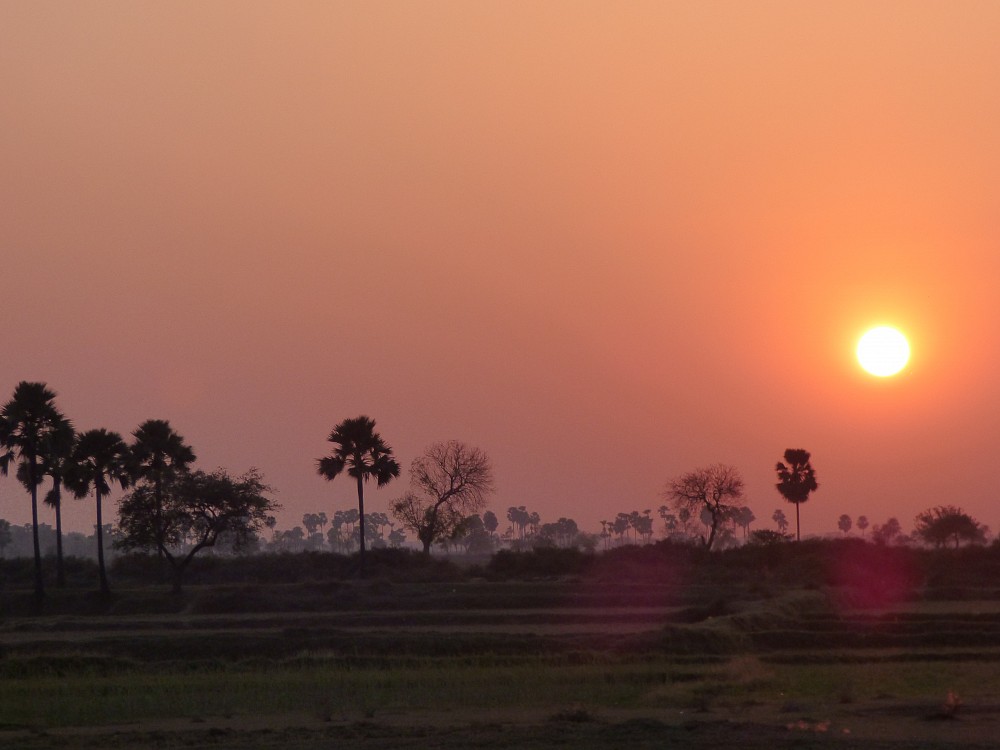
(606, 242)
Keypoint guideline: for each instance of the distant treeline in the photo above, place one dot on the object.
(868, 573)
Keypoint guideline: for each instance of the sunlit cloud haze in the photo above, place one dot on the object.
(605, 242)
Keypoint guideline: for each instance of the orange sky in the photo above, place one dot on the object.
(606, 242)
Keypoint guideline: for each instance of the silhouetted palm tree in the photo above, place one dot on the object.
(101, 458)
(862, 523)
(159, 453)
(57, 459)
(780, 520)
(796, 480)
(365, 455)
(26, 421)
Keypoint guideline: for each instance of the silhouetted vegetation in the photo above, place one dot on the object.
(448, 484)
(620, 618)
(712, 493)
(887, 532)
(365, 455)
(850, 569)
(947, 524)
(767, 536)
(796, 481)
(27, 423)
(100, 459)
(193, 511)
(56, 462)
(159, 455)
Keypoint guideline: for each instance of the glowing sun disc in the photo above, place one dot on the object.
(883, 351)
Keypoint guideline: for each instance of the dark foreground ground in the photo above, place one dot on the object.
(581, 733)
(647, 655)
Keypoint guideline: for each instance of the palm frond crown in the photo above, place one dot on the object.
(361, 451)
(796, 477)
(100, 459)
(158, 449)
(25, 422)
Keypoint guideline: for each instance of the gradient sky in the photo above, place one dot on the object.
(606, 242)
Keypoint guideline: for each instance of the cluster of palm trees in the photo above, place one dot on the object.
(37, 438)
(342, 537)
(640, 524)
(523, 523)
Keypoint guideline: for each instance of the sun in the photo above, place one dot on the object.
(883, 351)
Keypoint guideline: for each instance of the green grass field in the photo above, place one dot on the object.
(89, 695)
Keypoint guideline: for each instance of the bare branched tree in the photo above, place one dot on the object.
(715, 490)
(448, 483)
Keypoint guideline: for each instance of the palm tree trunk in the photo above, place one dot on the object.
(39, 581)
(798, 533)
(165, 570)
(105, 588)
(361, 512)
(60, 569)
(158, 494)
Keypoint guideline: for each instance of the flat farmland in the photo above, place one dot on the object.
(483, 664)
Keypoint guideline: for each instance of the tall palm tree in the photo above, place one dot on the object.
(159, 453)
(57, 458)
(796, 480)
(365, 455)
(100, 459)
(26, 421)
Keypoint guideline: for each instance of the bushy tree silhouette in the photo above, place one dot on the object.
(159, 454)
(198, 509)
(947, 523)
(887, 532)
